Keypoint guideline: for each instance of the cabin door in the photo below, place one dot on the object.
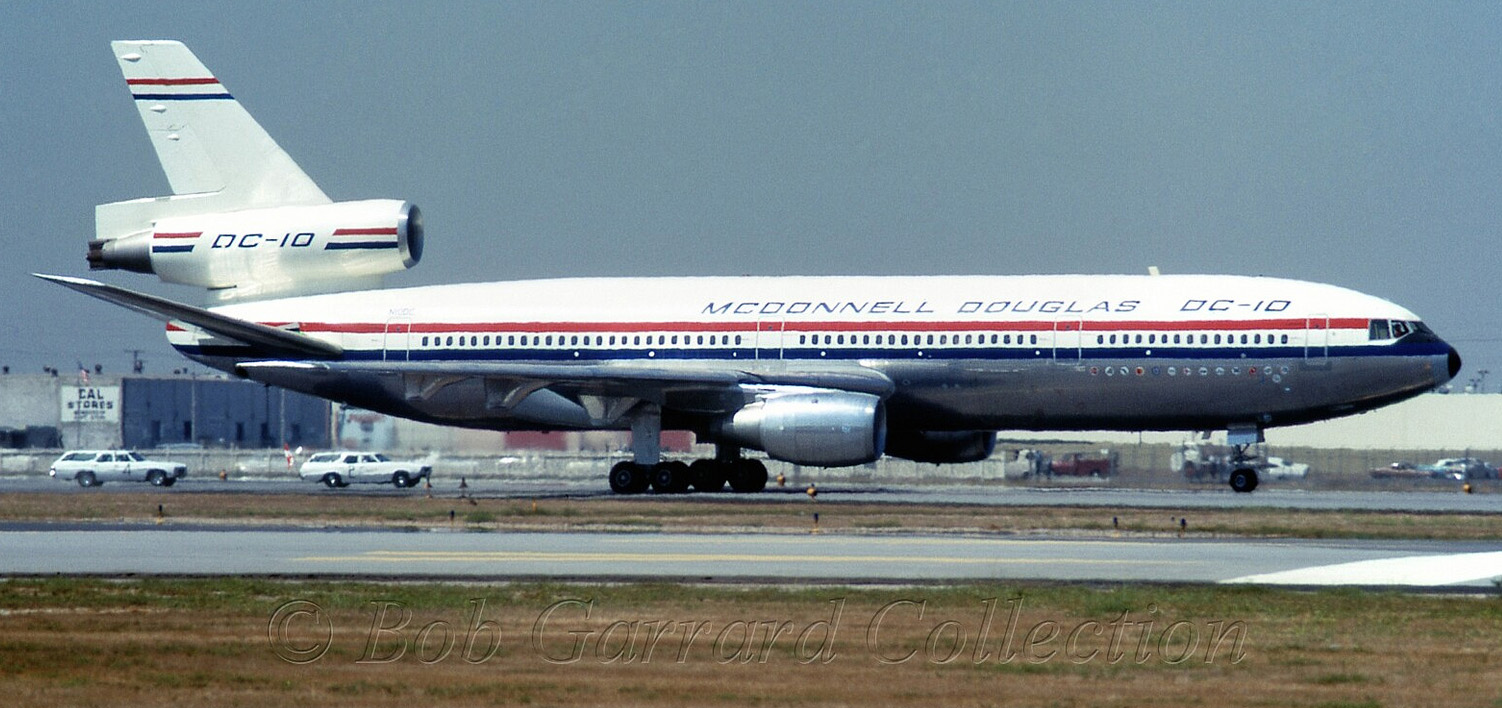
(396, 342)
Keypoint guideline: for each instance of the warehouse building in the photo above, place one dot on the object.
(51, 411)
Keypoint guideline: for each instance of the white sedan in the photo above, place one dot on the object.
(340, 469)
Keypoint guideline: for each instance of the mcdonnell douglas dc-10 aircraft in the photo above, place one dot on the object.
(821, 371)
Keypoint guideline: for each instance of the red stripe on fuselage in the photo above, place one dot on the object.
(184, 234)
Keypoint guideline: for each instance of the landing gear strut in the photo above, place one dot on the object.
(647, 469)
(1243, 474)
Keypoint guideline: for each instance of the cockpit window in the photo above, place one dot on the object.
(1399, 329)
(1378, 330)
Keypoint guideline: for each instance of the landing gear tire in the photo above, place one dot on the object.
(1244, 480)
(748, 476)
(670, 477)
(332, 481)
(708, 475)
(629, 478)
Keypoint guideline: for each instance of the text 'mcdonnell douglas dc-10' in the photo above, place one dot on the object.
(819, 371)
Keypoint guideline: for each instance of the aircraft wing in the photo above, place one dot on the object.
(604, 391)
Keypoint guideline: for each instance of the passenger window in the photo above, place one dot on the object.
(1285, 339)
(904, 340)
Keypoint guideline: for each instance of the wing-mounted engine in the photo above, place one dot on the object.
(825, 428)
(258, 253)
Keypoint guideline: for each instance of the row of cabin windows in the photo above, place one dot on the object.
(714, 340)
(1189, 339)
(917, 339)
(599, 340)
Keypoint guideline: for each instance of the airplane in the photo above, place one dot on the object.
(816, 371)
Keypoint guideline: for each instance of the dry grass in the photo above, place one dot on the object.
(785, 513)
(157, 642)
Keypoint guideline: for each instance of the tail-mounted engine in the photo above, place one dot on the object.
(259, 253)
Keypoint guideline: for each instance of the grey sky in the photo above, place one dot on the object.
(1352, 143)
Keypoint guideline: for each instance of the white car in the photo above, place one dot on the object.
(91, 468)
(1279, 468)
(340, 469)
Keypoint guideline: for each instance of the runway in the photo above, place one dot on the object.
(747, 557)
(1443, 499)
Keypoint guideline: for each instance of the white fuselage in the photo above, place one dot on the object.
(963, 352)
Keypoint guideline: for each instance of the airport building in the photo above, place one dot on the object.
(98, 411)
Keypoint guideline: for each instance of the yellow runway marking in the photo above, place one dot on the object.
(596, 557)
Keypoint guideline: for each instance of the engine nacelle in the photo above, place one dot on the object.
(259, 253)
(821, 428)
(941, 446)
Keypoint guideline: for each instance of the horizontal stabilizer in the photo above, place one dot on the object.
(252, 333)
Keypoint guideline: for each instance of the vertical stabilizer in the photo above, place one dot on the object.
(217, 158)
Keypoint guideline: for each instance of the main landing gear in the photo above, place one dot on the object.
(677, 477)
(647, 470)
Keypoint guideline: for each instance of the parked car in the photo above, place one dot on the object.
(91, 468)
(1279, 468)
(1463, 468)
(340, 469)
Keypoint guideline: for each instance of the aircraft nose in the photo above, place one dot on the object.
(1454, 361)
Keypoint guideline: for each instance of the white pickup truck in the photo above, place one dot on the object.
(340, 469)
(91, 468)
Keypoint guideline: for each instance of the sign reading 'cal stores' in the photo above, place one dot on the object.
(91, 404)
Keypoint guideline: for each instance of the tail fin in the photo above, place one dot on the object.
(217, 158)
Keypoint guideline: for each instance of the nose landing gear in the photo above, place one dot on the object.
(1243, 474)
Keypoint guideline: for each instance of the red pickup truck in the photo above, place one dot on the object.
(1077, 465)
